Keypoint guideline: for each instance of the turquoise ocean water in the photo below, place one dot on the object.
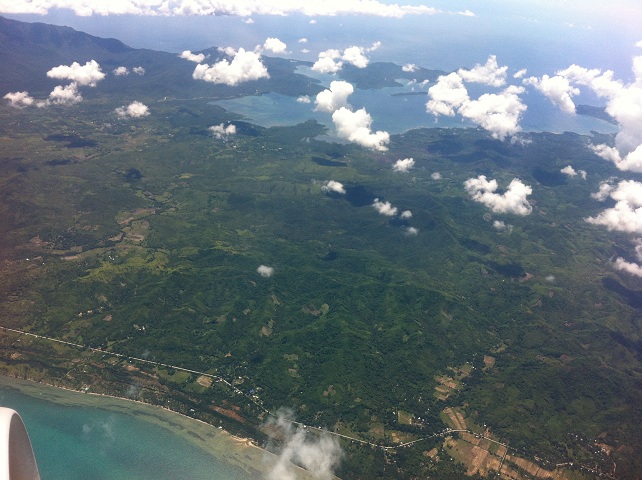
(78, 442)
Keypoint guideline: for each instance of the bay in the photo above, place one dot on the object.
(79, 436)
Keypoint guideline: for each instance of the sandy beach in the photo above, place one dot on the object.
(237, 451)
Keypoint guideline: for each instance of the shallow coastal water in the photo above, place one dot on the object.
(80, 436)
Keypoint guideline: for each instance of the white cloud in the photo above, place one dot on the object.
(623, 102)
(245, 66)
(355, 127)
(520, 73)
(403, 165)
(568, 170)
(19, 99)
(313, 22)
(557, 89)
(406, 214)
(626, 215)
(409, 67)
(84, 75)
(499, 225)
(302, 40)
(411, 231)
(639, 44)
(319, 454)
(488, 74)
(305, 50)
(248, 21)
(265, 271)
(499, 113)
(513, 200)
(67, 95)
(304, 99)
(335, 97)
(435, 176)
(133, 110)
(275, 45)
(139, 70)
(355, 56)
(447, 95)
(331, 60)
(604, 192)
(221, 131)
(466, 13)
(629, 267)
(218, 7)
(384, 208)
(120, 71)
(327, 61)
(192, 57)
(334, 186)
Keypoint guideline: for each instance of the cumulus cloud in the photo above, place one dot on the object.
(520, 73)
(557, 89)
(192, 57)
(65, 95)
(335, 97)
(222, 132)
(327, 61)
(121, 71)
(435, 176)
(604, 192)
(304, 99)
(499, 225)
(513, 200)
(355, 56)
(623, 102)
(447, 95)
(319, 454)
(302, 40)
(332, 60)
(409, 67)
(334, 186)
(133, 110)
(384, 208)
(498, 113)
(355, 127)
(639, 44)
(466, 13)
(411, 231)
(87, 75)
(245, 66)
(406, 214)
(220, 7)
(19, 99)
(275, 45)
(571, 172)
(403, 165)
(265, 271)
(631, 267)
(488, 74)
(626, 215)
(139, 70)
(248, 21)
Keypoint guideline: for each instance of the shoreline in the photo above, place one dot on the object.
(240, 452)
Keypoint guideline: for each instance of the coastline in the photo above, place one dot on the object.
(239, 452)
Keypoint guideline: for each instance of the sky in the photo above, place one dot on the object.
(534, 34)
